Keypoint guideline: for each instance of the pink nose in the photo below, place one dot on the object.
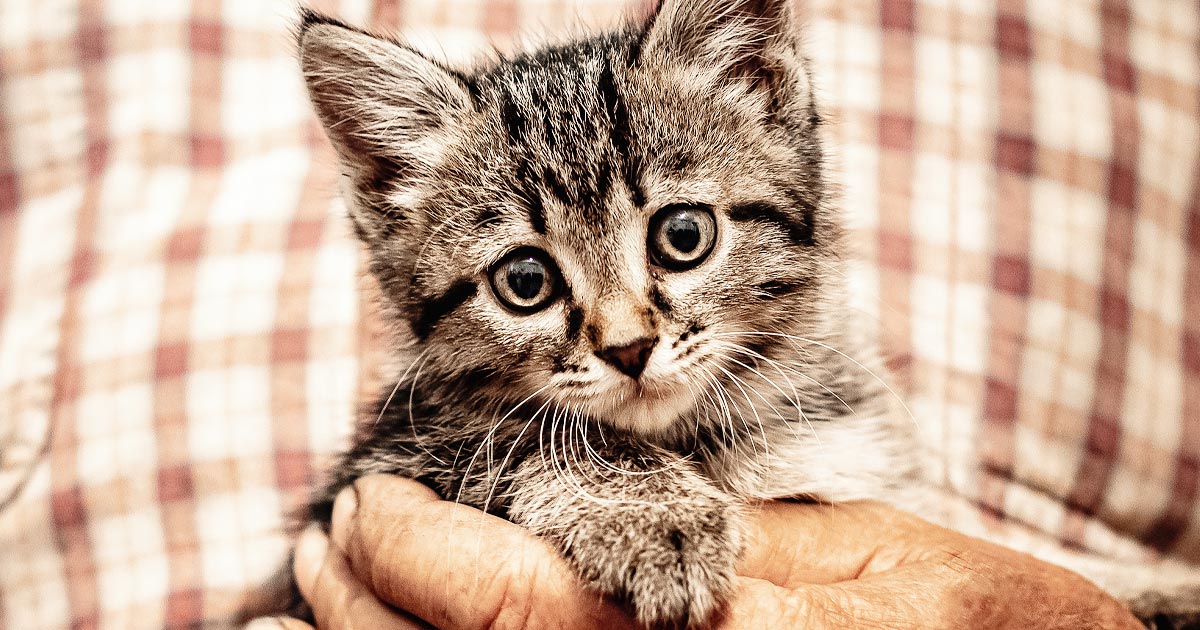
(631, 358)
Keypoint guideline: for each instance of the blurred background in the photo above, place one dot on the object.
(182, 341)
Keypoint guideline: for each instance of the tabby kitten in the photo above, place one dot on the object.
(621, 275)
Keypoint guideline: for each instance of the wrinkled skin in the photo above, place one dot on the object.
(400, 558)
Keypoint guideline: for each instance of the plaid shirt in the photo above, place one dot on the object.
(182, 339)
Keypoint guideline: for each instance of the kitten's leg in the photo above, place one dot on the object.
(652, 533)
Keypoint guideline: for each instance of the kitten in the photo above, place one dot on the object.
(621, 273)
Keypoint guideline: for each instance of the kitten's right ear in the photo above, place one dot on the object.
(754, 41)
(381, 103)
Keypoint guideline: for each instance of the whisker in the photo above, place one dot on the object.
(795, 401)
(738, 383)
(399, 381)
(856, 362)
(695, 407)
(729, 437)
(488, 439)
(779, 368)
(507, 456)
(607, 465)
(412, 423)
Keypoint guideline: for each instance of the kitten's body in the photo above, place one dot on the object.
(749, 381)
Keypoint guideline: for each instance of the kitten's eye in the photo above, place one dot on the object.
(681, 236)
(526, 280)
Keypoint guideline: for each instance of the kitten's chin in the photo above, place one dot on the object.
(648, 411)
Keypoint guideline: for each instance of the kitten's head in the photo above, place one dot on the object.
(600, 224)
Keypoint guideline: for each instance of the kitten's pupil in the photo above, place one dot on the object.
(683, 231)
(526, 277)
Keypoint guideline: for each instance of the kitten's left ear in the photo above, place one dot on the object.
(752, 40)
(382, 104)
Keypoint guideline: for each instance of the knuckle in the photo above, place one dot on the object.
(514, 609)
(516, 600)
(821, 608)
(899, 522)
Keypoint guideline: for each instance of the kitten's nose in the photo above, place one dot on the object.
(630, 358)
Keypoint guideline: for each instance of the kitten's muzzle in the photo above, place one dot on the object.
(630, 359)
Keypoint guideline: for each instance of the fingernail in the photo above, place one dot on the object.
(311, 548)
(344, 507)
(309, 558)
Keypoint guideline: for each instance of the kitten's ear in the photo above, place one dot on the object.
(753, 40)
(381, 103)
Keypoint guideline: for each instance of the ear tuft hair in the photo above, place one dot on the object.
(309, 18)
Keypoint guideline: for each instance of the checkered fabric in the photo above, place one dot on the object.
(181, 336)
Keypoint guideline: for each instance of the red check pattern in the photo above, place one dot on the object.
(182, 339)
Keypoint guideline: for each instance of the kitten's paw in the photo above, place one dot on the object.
(672, 564)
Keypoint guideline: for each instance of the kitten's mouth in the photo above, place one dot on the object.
(644, 407)
(641, 390)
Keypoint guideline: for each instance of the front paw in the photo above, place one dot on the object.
(673, 564)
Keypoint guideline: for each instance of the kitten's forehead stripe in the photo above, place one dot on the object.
(434, 310)
(558, 187)
(566, 128)
(526, 185)
(537, 213)
(619, 134)
(514, 121)
(614, 106)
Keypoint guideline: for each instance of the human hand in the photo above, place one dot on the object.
(400, 559)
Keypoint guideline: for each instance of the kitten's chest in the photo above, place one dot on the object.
(834, 460)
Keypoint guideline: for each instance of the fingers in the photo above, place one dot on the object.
(760, 604)
(277, 623)
(338, 600)
(456, 567)
(794, 544)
